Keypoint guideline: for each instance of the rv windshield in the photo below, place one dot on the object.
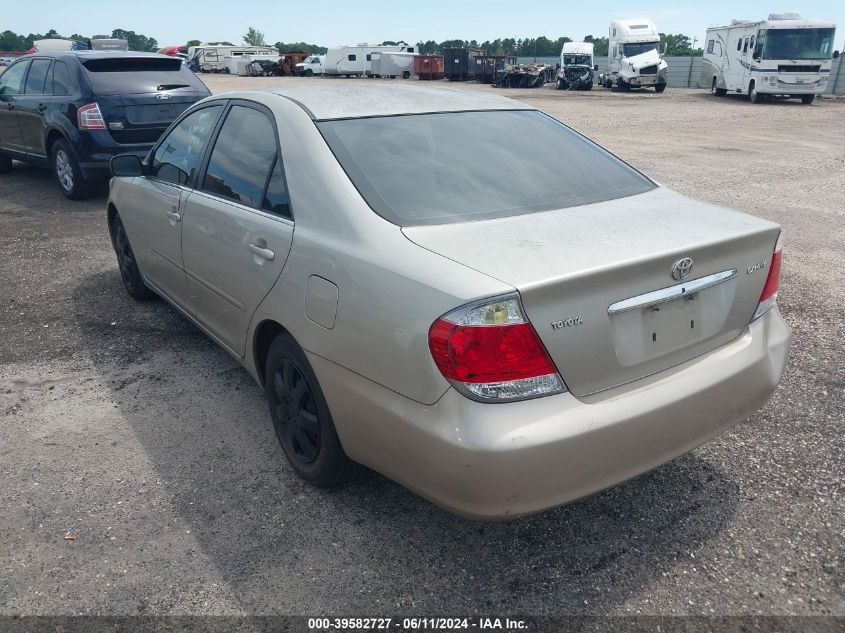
(630, 50)
(798, 44)
(576, 60)
(463, 166)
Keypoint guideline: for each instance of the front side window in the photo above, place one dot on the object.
(36, 80)
(242, 158)
(710, 44)
(11, 81)
(177, 158)
(352, 58)
(463, 166)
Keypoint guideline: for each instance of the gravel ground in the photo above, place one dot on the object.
(126, 428)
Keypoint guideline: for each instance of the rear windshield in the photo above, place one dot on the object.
(132, 75)
(458, 167)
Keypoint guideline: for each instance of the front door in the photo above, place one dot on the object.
(237, 228)
(158, 203)
(11, 88)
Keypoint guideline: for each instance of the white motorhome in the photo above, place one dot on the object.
(211, 58)
(311, 65)
(635, 58)
(392, 65)
(356, 60)
(783, 55)
(577, 65)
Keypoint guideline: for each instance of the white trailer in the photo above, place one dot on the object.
(210, 58)
(392, 65)
(783, 55)
(635, 56)
(356, 60)
(239, 64)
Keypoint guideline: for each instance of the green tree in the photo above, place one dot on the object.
(600, 45)
(137, 42)
(254, 37)
(192, 43)
(313, 49)
(679, 45)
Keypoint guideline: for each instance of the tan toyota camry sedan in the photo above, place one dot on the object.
(453, 289)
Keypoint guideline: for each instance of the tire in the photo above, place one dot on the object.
(560, 85)
(608, 84)
(309, 73)
(301, 417)
(660, 87)
(129, 271)
(716, 91)
(406, 75)
(5, 164)
(807, 99)
(67, 173)
(753, 95)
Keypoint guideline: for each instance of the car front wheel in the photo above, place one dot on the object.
(301, 416)
(67, 173)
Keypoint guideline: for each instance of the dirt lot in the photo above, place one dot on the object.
(126, 427)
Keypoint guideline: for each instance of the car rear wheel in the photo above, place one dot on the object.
(67, 173)
(301, 416)
(807, 99)
(129, 271)
(5, 164)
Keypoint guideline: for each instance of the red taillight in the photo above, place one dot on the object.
(770, 291)
(89, 117)
(489, 351)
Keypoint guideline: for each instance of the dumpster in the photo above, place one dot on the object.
(460, 63)
(429, 66)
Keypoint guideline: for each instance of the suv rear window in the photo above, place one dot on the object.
(133, 75)
(463, 166)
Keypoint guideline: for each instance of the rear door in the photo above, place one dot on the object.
(237, 228)
(11, 88)
(32, 107)
(153, 207)
(141, 96)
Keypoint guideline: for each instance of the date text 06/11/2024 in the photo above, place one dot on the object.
(415, 624)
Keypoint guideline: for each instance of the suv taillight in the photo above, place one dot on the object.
(490, 352)
(770, 290)
(89, 117)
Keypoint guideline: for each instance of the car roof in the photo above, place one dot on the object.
(351, 99)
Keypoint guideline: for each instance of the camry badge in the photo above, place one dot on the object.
(682, 268)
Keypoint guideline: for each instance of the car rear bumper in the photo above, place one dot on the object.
(493, 461)
(95, 148)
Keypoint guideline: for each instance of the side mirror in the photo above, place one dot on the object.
(596, 67)
(835, 54)
(126, 166)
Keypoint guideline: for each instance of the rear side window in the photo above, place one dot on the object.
(62, 83)
(276, 199)
(11, 81)
(462, 166)
(177, 158)
(242, 158)
(36, 80)
(710, 46)
(136, 75)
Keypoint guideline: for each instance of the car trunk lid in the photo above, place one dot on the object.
(588, 276)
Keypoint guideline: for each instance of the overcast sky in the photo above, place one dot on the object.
(332, 22)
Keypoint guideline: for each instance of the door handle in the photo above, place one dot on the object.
(42, 107)
(174, 216)
(259, 251)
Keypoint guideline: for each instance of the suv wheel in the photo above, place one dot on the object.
(301, 416)
(5, 164)
(67, 173)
